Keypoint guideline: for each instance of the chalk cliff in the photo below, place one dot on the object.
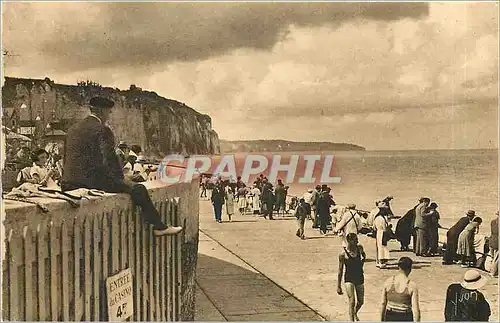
(159, 125)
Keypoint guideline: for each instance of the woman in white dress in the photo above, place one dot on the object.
(381, 225)
(229, 202)
(256, 199)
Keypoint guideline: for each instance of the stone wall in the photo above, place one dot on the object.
(158, 124)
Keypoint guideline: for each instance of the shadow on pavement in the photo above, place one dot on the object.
(234, 293)
(321, 237)
(239, 221)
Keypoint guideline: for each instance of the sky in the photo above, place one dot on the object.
(381, 75)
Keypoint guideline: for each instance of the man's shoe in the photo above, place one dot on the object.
(170, 231)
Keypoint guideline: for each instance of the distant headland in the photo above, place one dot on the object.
(227, 146)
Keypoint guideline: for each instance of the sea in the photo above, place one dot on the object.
(457, 180)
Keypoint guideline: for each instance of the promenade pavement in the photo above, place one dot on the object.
(228, 289)
(305, 269)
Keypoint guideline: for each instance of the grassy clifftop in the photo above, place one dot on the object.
(283, 145)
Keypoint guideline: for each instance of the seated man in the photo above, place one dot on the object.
(91, 162)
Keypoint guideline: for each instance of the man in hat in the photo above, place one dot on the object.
(450, 254)
(421, 228)
(464, 302)
(91, 162)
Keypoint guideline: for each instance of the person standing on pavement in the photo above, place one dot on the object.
(400, 301)
(382, 230)
(323, 210)
(204, 184)
(433, 229)
(218, 201)
(301, 215)
(280, 194)
(421, 228)
(229, 197)
(314, 205)
(255, 194)
(308, 201)
(352, 259)
(267, 200)
(90, 162)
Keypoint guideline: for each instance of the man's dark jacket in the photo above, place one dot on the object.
(90, 160)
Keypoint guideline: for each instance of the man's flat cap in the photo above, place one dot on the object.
(100, 102)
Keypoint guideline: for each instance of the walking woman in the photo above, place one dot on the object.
(466, 243)
(229, 202)
(352, 259)
(400, 296)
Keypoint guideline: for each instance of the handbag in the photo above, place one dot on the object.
(388, 233)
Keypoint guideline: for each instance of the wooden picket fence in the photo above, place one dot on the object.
(57, 272)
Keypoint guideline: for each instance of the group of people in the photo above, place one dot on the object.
(400, 300)
(134, 164)
(262, 199)
(422, 224)
(400, 295)
(462, 242)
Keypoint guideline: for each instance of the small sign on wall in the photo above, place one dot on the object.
(26, 130)
(120, 296)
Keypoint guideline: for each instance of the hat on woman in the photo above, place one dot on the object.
(471, 213)
(382, 205)
(473, 280)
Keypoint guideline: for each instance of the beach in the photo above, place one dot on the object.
(457, 180)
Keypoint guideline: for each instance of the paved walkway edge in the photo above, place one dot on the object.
(261, 273)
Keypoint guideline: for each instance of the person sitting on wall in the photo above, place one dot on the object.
(91, 162)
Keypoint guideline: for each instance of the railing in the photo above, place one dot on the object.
(57, 268)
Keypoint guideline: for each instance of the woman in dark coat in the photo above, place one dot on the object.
(404, 229)
(433, 222)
